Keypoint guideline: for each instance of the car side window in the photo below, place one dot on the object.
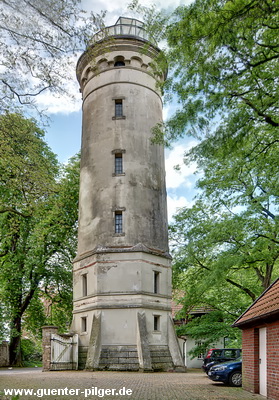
(216, 354)
(230, 353)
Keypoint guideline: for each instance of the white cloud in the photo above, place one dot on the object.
(175, 178)
(119, 8)
(55, 104)
(175, 203)
(179, 182)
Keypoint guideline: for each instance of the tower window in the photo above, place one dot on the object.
(156, 279)
(156, 322)
(119, 64)
(119, 61)
(118, 222)
(118, 164)
(118, 108)
(83, 324)
(84, 285)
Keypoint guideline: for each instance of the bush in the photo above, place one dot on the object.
(31, 351)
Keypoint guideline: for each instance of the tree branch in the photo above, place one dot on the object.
(26, 94)
(14, 211)
(18, 34)
(244, 289)
(47, 18)
(266, 117)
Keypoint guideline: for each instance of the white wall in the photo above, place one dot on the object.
(187, 344)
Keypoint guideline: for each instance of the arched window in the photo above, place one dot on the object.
(119, 61)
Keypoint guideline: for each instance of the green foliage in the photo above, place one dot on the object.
(38, 227)
(224, 58)
(31, 350)
(223, 67)
(27, 165)
(223, 71)
(211, 327)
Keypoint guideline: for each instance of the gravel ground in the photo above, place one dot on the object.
(193, 385)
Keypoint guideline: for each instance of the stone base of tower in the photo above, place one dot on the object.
(140, 357)
(125, 358)
(129, 329)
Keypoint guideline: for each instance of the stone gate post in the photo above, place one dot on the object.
(47, 331)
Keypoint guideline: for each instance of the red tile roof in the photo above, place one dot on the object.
(175, 308)
(265, 306)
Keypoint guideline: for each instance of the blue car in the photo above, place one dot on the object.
(229, 372)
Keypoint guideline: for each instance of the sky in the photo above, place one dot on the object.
(64, 131)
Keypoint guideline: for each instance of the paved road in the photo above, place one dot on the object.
(193, 385)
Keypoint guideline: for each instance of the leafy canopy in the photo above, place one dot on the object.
(223, 71)
(224, 60)
(38, 231)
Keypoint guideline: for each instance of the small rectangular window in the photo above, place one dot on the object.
(84, 284)
(201, 355)
(118, 164)
(118, 222)
(83, 324)
(156, 281)
(118, 108)
(156, 322)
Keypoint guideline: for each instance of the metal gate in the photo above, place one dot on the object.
(64, 352)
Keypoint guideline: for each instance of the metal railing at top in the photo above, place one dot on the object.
(124, 27)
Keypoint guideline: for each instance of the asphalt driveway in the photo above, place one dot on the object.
(77, 385)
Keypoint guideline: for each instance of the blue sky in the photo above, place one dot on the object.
(64, 134)
(64, 131)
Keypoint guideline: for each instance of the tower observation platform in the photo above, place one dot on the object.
(125, 27)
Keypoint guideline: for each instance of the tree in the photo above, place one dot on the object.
(226, 247)
(40, 41)
(229, 54)
(38, 218)
(223, 63)
(58, 230)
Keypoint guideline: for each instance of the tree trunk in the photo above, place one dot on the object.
(15, 341)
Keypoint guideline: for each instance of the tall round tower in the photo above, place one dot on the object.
(122, 272)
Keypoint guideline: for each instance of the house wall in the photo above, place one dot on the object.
(189, 344)
(250, 360)
(272, 360)
(250, 348)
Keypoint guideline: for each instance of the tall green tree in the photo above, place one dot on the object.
(223, 60)
(38, 218)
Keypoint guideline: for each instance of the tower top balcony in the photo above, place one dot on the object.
(124, 28)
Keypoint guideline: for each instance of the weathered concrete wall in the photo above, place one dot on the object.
(122, 284)
(4, 354)
(140, 191)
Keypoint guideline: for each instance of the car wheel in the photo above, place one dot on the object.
(235, 379)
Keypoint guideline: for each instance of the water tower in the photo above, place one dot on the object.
(122, 271)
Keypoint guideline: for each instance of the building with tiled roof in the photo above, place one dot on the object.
(186, 342)
(265, 307)
(260, 343)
